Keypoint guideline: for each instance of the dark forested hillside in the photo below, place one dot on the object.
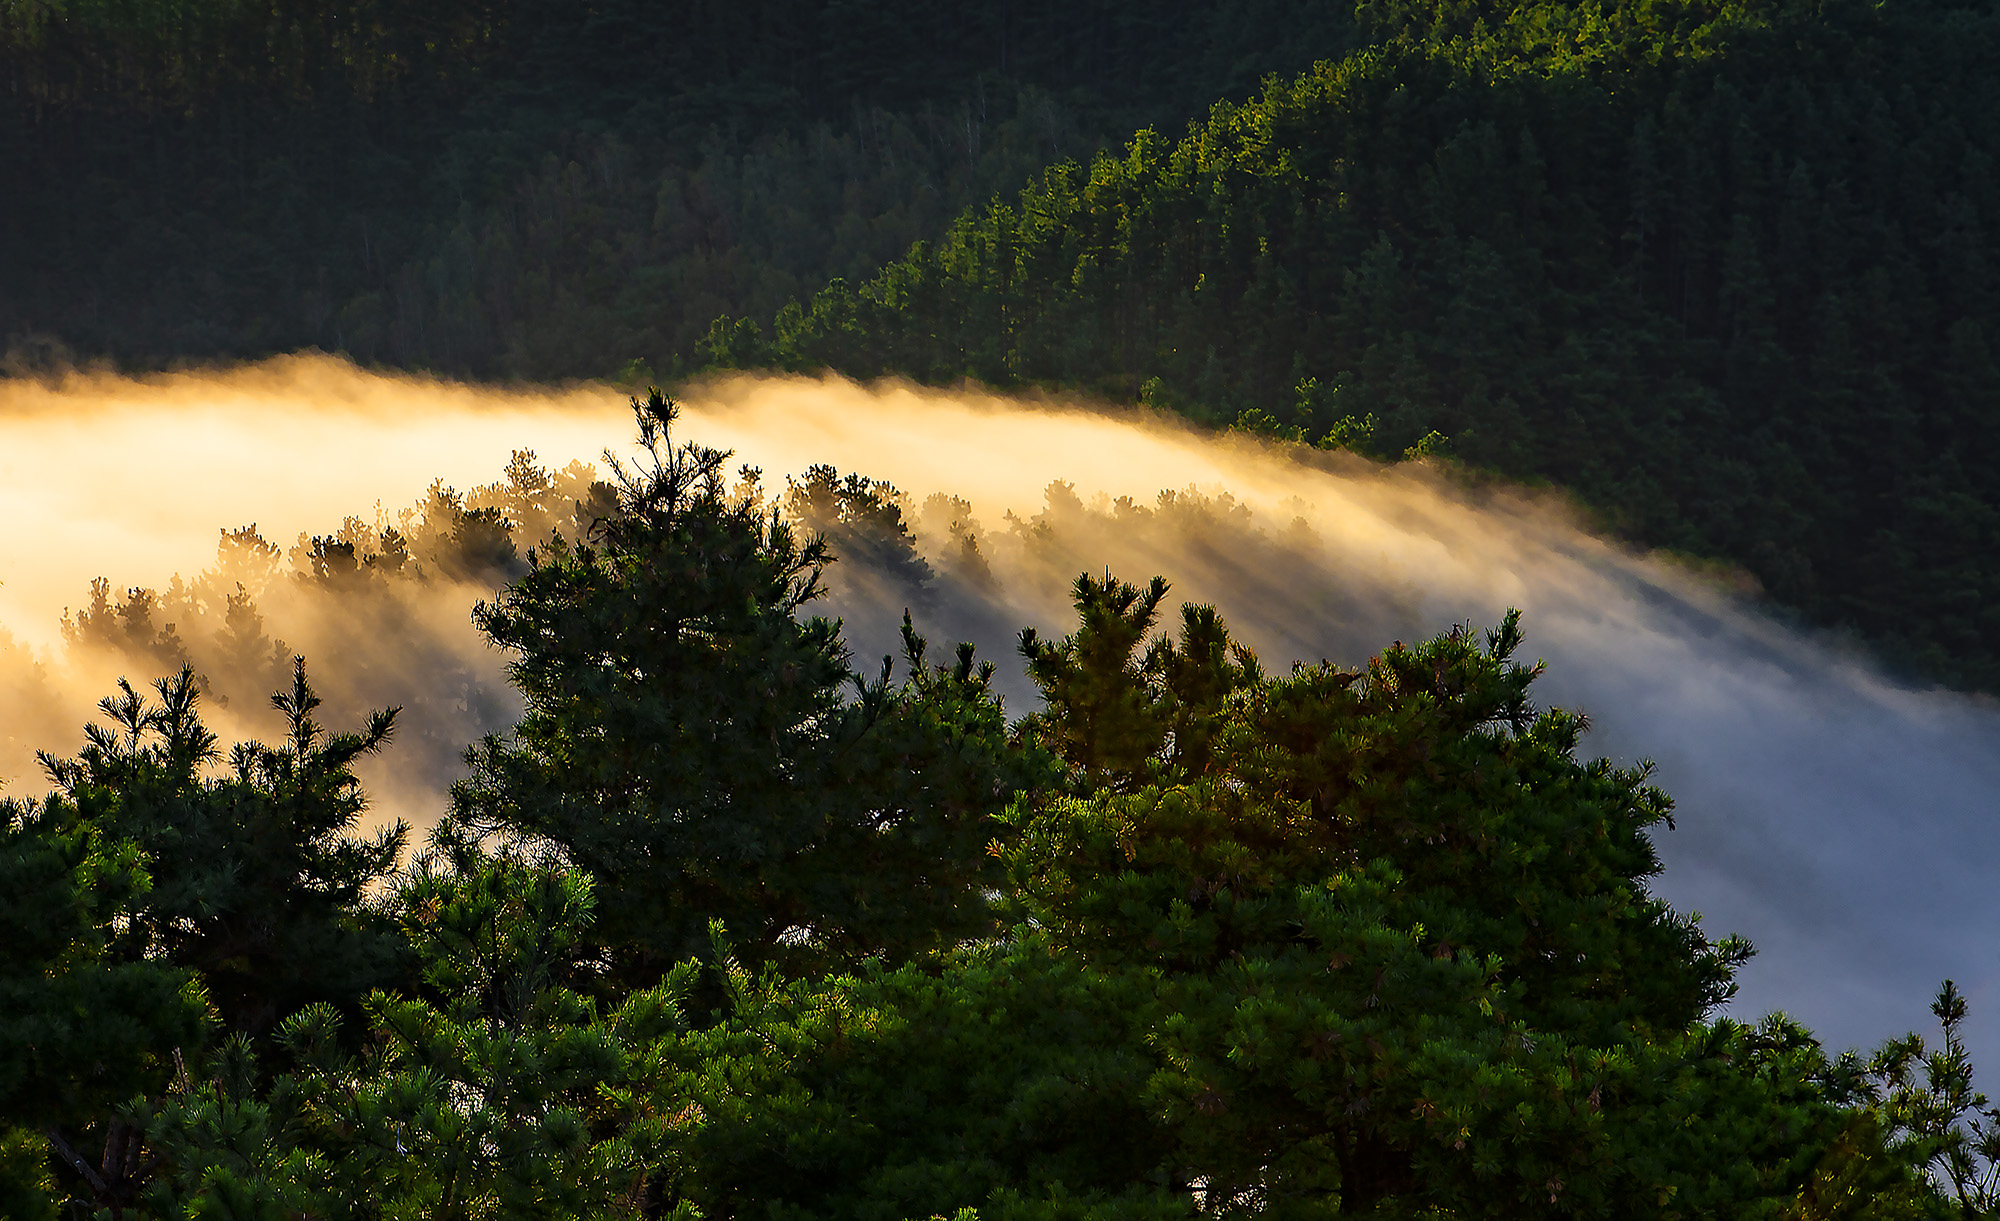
(1722, 269)
(530, 188)
(732, 925)
(1719, 268)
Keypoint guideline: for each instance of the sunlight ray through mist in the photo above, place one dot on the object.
(1843, 823)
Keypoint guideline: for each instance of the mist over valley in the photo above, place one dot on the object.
(860, 610)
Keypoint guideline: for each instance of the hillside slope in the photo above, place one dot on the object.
(1722, 269)
(537, 189)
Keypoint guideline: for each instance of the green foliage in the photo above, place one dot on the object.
(542, 189)
(83, 1029)
(147, 899)
(687, 740)
(727, 928)
(257, 879)
(1720, 268)
(1191, 939)
(27, 1190)
(863, 523)
(1393, 939)
(1347, 432)
(1002, 1079)
(1119, 717)
(495, 1089)
(1382, 949)
(1921, 1109)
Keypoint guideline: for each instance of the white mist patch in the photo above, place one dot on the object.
(1846, 825)
(131, 479)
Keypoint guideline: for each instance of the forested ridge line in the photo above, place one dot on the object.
(523, 188)
(1721, 269)
(731, 924)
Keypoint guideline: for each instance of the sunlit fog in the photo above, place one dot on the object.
(237, 517)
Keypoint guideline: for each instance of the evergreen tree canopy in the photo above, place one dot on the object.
(540, 189)
(492, 1088)
(149, 902)
(1383, 950)
(1381, 910)
(1192, 939)
(1720, 268)
(82, 1029)
(690, 739)
(258, 882)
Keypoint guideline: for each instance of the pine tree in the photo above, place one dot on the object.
(490, 1087)
(259, 882)
(84, 1032)
(691, 741)
(1395, 943)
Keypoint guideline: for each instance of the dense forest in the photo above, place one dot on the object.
(537, 189)
(1718, 269)
(733, 923)
(730, 926)
(1722, 270)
